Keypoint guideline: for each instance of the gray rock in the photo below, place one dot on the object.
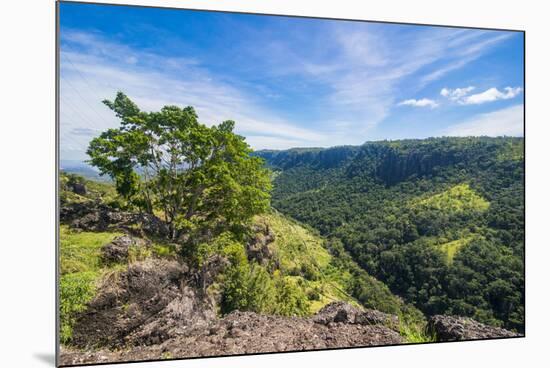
(456, 328)
(117, 250)
(344, 313)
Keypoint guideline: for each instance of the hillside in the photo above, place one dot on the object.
(125, 284)
(439, 221)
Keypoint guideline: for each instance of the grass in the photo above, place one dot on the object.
(295, 247)
(415, 333)
(76, 290)
(95, 190)
(302, 255)
(457, 199)
(81, 251)
(81, 269)
(451, 248)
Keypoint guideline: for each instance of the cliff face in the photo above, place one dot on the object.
(393, 162)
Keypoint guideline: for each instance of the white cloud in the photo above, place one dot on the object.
(100, 68)
(508, 121)
(462, 50)
(492, 94)
(424, 102)
(363, 67)
(457, 93)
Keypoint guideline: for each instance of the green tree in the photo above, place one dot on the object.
(169, 162)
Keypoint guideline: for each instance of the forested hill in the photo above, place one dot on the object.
(439, 220)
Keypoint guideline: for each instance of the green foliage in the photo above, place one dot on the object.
(415, 334)
(167, 161)
(164, 250)
(138, 253)
(76, 289)
(410, 213)
(81, 268)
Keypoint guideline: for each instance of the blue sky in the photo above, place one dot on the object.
(288, 82)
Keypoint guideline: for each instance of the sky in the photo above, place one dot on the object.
(287, 82)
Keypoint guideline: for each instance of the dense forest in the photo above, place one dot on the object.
(440, 221)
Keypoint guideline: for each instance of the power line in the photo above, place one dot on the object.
(82, 98)
(83, 76)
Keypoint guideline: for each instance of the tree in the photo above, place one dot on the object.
(168, 162)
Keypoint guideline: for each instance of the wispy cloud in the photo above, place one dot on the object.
(463, 50)
(507, 121)
(93, 69)
(361, 68)
(424, 102)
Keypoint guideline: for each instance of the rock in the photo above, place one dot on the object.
(117, 250)
(78, 188)
(94, 216)
(130, 302)
(341, 312)
(455, 328)
(336, 312)
(245, 333)
(375, 317)
(257, 247)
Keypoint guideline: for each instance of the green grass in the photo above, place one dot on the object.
(81, 251)
(414, 333)
(457, 199)
(81, 269)
(295, 247)
(164, 250)
(451, 248)
(304, 259)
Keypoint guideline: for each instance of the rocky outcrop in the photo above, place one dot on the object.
(147, 304)
(243, 333)
(257, 248)
(117, 250)
(455, 328)
(91, 216)
(345, 313)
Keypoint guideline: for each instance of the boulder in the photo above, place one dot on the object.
(117, 250)
(257, 248)
(94, 216)
(341, 312)
(78, 188)
(128, 302)
(456, 328)
(336, 312)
